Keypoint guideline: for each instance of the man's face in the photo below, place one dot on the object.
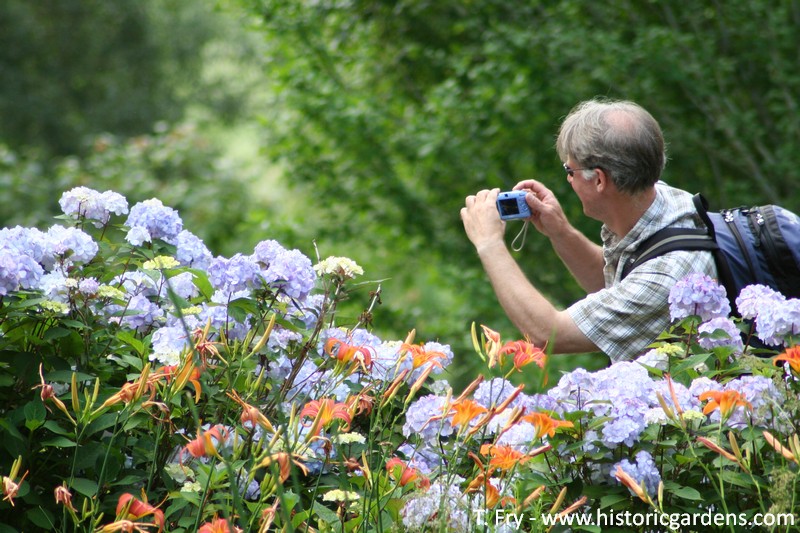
(585, 188)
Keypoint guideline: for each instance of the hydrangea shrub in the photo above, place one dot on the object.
(148, 385)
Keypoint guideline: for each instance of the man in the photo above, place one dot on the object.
(613, 153)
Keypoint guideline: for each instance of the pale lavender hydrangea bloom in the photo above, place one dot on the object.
(88, 286)
(764, 397)
(776, 322)
(25, 241)
(643, 469)
(732, 337)
(93, 205)
(158, 220)
(266, 251)
(280, 338)
(17, 271)
(686, 399)
(239, 273)
(754, 298)
(494, 392)
(67, 246)
(292, 273)
(191, 251)
(169, 343)
(54, 287)
(423, 458)
(183, 285)
(441, 505)
(703, 384)
(137, 282)
(698, 294)
(141, 313)
(419, 415)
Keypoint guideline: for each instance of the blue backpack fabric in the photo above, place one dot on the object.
(751, 245)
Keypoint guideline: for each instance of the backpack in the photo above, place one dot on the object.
(751, 245)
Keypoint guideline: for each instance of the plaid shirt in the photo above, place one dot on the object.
(626, 316)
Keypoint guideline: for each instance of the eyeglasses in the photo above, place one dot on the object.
(571, 171)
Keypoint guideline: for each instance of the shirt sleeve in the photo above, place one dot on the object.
(622, 320)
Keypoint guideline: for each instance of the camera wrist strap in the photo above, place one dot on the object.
(521, 235)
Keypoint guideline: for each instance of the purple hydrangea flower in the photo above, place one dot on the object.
(67, 246)
(292, 273)
(698, 294)
(424, 418)
(92, 205)
(17, 271)
(88, 286)
(764, 397)
(141, 313)
(443, 507)
(25, 241)
(168, 344)
(732, 336)
(754, 298)
(494, 392)
(644, 469)
(191, 251)
(266, 251)
(776, 322)
(156, 219)
(239, 273)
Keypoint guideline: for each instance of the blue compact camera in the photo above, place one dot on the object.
(512, 205)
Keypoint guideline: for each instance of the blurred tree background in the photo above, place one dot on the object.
(358, 127)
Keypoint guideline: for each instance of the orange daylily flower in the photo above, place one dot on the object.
(63, 495)
(524, 353)
(325, 411)
(631, 483)
(346, 353)
(725, 401)
(284, 461)
(490, 491)
(420, 356)
(202, 445)
(791, 356)
(503, 457)
(465, 411)
(408, 474)
(218, 525)
(251, 415)
(11, 487)
(131, 508)
(491, 345)
(545, 424)
(187, 373)
(48, 393)
(133, 391)
(714, 447)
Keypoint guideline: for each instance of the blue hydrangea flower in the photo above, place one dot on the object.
(88, 286)
(17, 271)
(644, 469)
(25, 241)
(141, 313)
(191, 251)
(239, 273)
(292, 273)
(93, 205)
(169, 343)
(698, 294)
(419, 419)
(775, 323)
(67, 247)
(493, 392)
(732, 337)
(156, 219)
(764, 397)
(443, 507)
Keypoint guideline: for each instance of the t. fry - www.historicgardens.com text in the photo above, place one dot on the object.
(609, 517)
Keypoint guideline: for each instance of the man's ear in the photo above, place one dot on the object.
(601, 180)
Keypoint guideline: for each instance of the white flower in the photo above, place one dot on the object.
(338, 266)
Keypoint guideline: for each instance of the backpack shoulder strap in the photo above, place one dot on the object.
(669, 240)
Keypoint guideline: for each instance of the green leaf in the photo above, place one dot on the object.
(58, 442)
(613, 499)
(687, 493)
(87, 487)
(35, 414)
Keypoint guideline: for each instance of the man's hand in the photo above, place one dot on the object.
(547, 216)
(482, 221)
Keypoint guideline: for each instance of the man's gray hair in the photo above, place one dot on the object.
(619, 137)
